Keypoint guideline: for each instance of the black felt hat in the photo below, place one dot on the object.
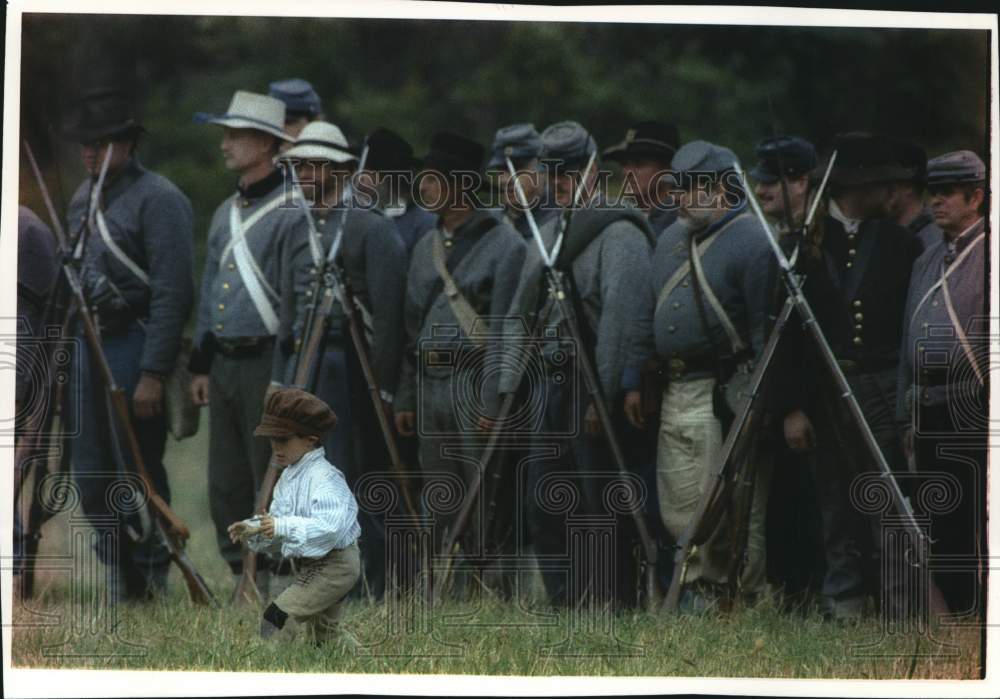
(389, 152)
(647, 139)
(864, 158)
(102, 113)
(451, 152)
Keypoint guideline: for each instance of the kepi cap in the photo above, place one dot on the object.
(298, 95)
(568, 143)
(517, 142)
(957, 167)
(795, 155)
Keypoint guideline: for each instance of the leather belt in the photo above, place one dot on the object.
(676, 368)
(243, 347)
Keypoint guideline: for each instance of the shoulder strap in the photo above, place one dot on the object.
(685, 269)
(253, 278)
(249, 223)
(702, 286)
(460, 306)
(130, 264)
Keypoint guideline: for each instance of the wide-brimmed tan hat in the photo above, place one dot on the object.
(248, 110)
(320, 140)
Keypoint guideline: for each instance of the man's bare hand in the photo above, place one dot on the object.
(147, 400)
(633, 409)
(199, 389)
(799, 433)
(405, 421)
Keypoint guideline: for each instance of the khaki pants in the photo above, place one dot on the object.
(315, 598)
(688, 445)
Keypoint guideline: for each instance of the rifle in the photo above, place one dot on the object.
(171, 528)
(558, 293)
(328, 286)
(797, 300)
(32, 449)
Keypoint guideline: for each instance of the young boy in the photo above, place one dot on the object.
(313, 518)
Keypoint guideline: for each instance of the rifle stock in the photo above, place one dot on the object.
(246, 589)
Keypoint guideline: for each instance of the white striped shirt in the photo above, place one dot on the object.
(313, 509)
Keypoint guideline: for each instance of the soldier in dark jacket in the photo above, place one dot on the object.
(943, 379)
(792, 520)
(372, 262)
(857, 266)
(461, 280)
(137, 275)
(645, 156)
(389, 178)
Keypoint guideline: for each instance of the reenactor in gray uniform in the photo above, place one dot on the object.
(645, 156)
(460, 284)
(389, 170)
(943, 374)
(137, 275)
(302, 104)
(372, 262)
(702, 326)
(906, 206)
(238, 315)
(605, 258)
(856, 263)
(522, 144)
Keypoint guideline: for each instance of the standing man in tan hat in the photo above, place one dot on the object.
(238, 316)
(372, 260)
(313, 519)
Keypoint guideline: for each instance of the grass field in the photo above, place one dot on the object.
(485, 637)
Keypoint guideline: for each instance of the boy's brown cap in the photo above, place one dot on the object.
(291, 411)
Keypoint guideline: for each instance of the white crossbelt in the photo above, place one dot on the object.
(963, 340)
(119, 254)
(250, 272)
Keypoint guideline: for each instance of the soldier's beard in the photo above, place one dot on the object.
(696, 218)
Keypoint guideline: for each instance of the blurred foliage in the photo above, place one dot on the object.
(418, 76)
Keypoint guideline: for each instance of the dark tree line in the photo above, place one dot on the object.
(417, 75)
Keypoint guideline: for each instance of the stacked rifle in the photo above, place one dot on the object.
(68, 307)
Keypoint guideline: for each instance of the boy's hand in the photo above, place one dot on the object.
(267, 526)
(239, 532)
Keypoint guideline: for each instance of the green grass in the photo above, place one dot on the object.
(484, 637)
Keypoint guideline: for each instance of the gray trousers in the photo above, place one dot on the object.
(236, 459)
(851, 539)
(450, 448)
